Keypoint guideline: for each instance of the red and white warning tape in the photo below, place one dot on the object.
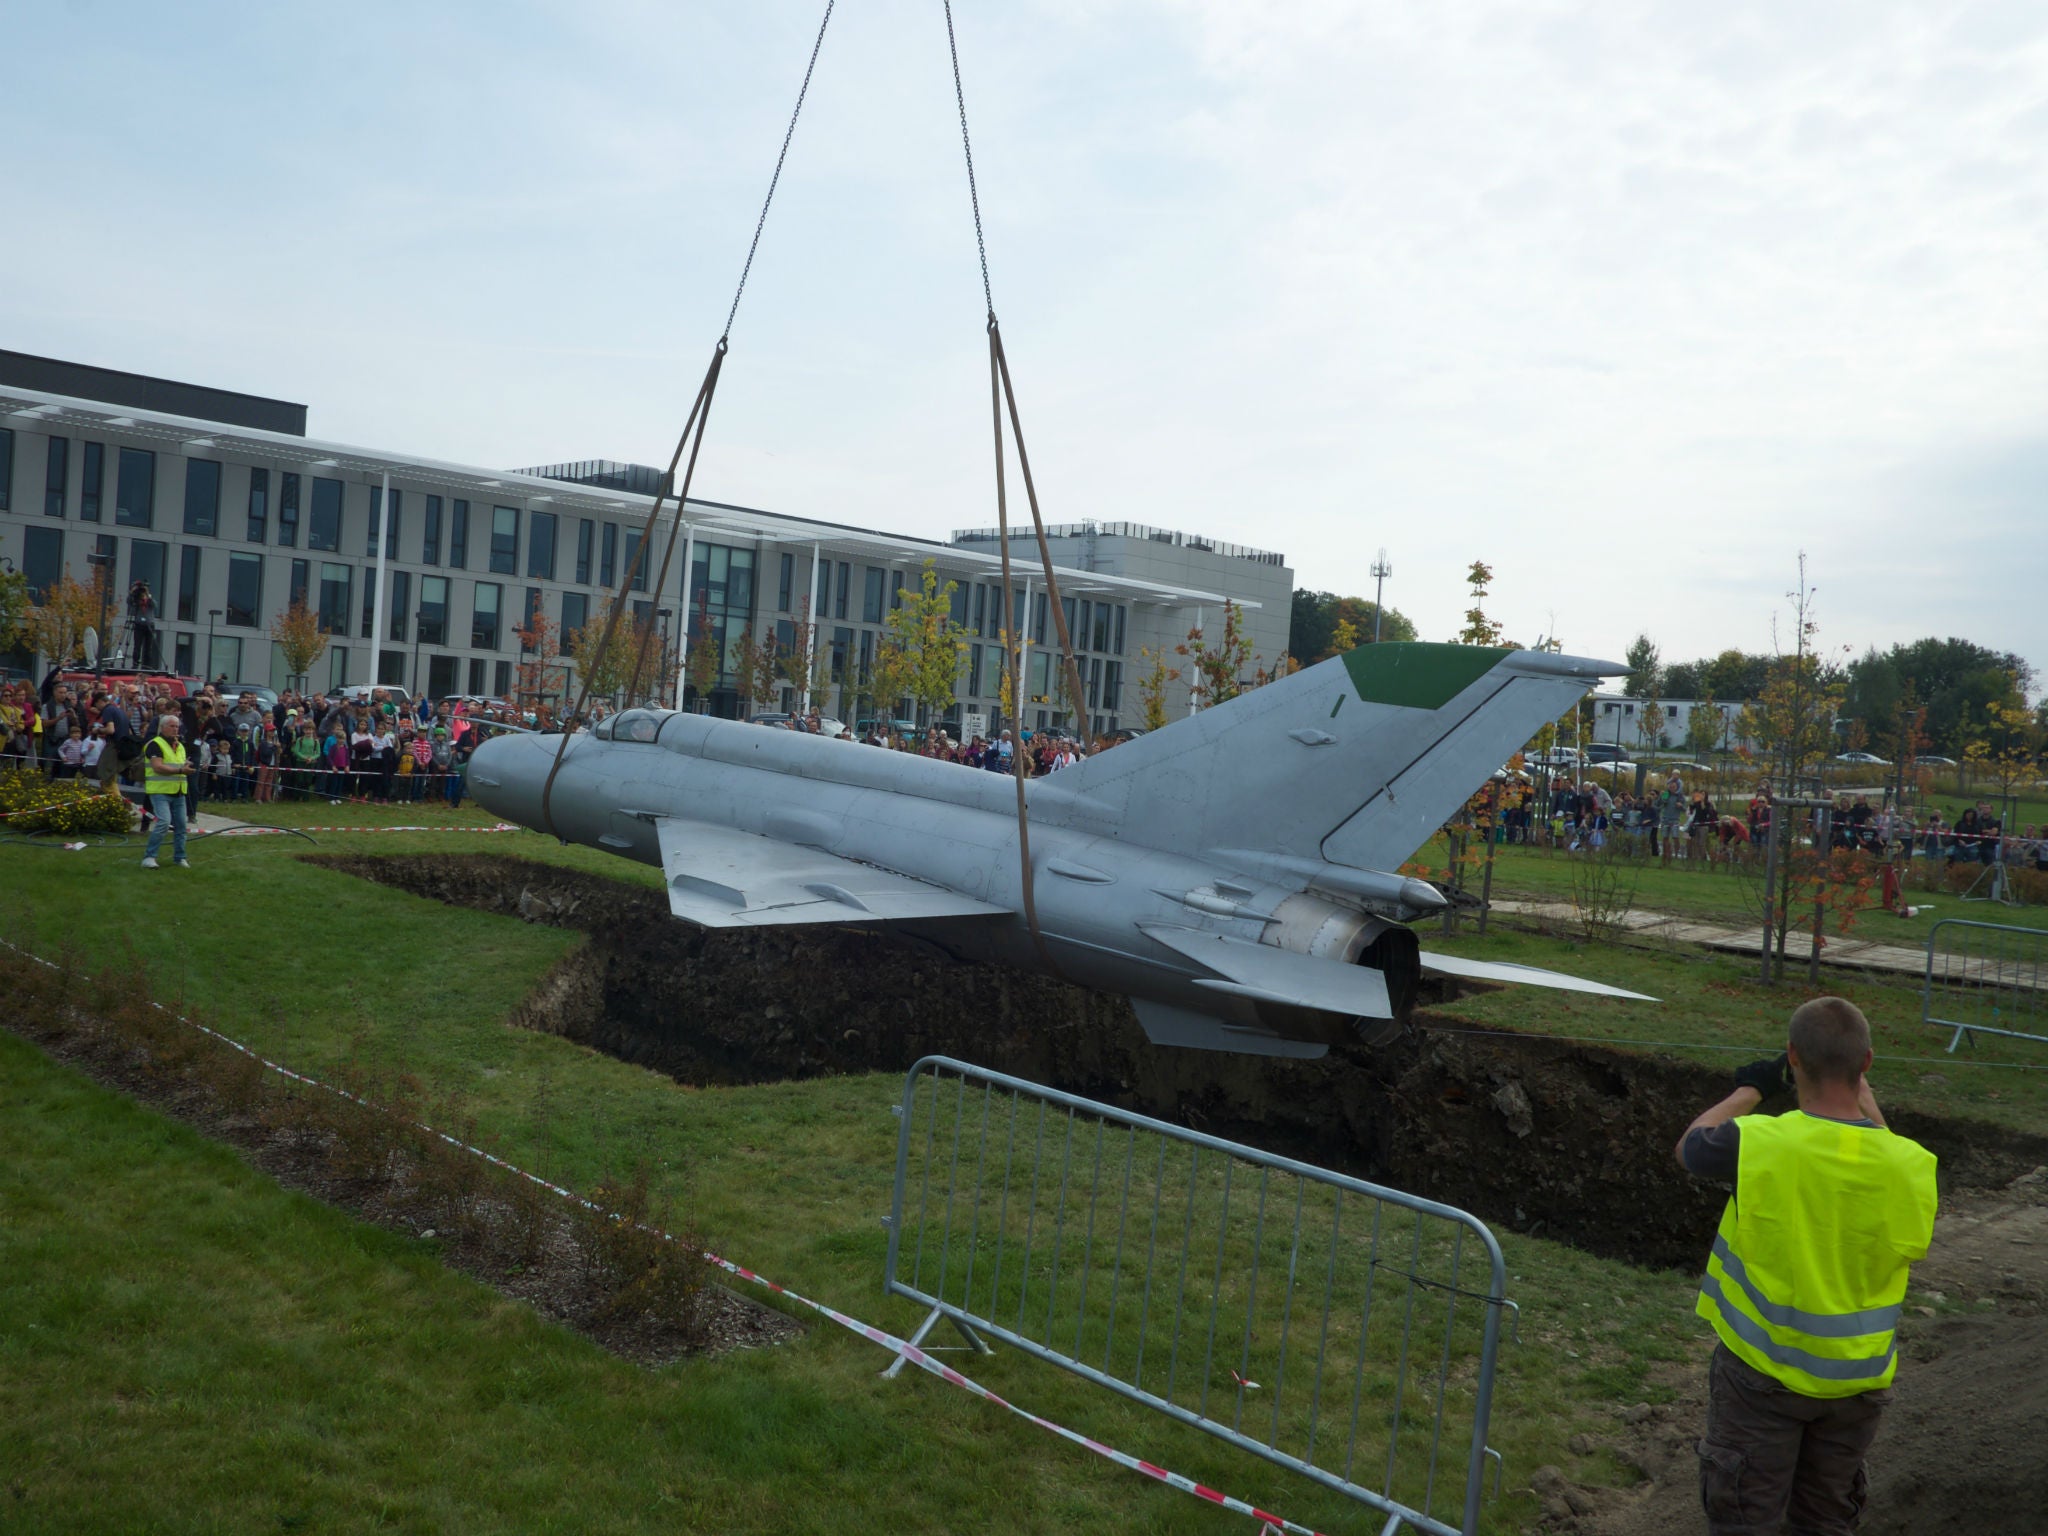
(901, 1347)
(253, 831)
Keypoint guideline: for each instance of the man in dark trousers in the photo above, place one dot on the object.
(1806, 1279)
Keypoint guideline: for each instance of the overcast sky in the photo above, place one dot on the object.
(1631, 300)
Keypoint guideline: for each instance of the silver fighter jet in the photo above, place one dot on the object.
(1236, 874)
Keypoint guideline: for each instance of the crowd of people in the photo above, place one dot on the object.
(377, 744)
(1672, 823)
(1045, 751)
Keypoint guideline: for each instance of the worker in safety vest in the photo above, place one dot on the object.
(164, 771)
(1806, 1279)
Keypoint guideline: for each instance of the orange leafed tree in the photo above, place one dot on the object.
(56, 626)
(541, 667)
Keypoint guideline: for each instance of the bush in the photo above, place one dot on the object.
(30, 802)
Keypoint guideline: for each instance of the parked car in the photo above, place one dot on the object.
(1556, 757)
(1936, 762)
(1604, 752)
(267, 697)
(1870, 759)
(159, 682)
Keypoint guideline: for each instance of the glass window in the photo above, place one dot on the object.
(980, 608)
(540, 546)
(401, 601)
(458, 533)
(1102, 626)
(586, 538)
(42, 560)
(974, 670)
(845, 589)
(434, 612)
(224, 656)
(532, 608)
(146, 559)
(1119, 635)
(323, 528)
(871, 596)
(259, 505)
(1080, 631)
(842, 643)
(337, 665)
(188, 584)
(575, 614)
(99, 564)
(784, 580)
(959, 605)
(336, 583)
(182, 656)
(501, 679)
(245, 590)
(1067, 609)
(478, 674)
(378, 524)
(608, 561)
(483, 624)
(92, 480)
(302, 574)
(895, 590)
(505, 539)
(1112, 683)
(288, 510)
(391, 669)
(55, 476)
(430, 533)
(636, 566)
(202, 497)
(641, 725)
(1094, 681)
(135, 489)
(1038, 619)
(6, 469)
(443, 672)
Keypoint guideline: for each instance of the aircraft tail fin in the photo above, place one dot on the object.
(1356, 760)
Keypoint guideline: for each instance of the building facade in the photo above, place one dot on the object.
(420, 572)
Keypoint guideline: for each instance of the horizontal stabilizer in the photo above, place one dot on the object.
(1522, 975)
(1270, 975)
(720, 878)
(1167, 1025)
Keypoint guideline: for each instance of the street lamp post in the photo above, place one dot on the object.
(1381, 570)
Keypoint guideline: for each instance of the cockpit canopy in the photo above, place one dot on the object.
(640, 725)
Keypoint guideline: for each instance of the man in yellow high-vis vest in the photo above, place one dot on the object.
(164, 771)
(1806, 1280)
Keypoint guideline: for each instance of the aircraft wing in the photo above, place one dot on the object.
(1273, 975)
(1522, 975)
(720, 878)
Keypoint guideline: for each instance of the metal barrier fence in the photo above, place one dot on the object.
(1986, 979)
(1340, 1329)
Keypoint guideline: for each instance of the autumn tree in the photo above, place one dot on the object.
(704, 662)
(1314, 617)
(1792, 720)
(540, 675)
(1650, 718)
(922, 646)
(14, 608)
(1218, 669)
(803, 664)
(56, 626)
(2008, 747)
(1704, 727)
(1479, 629)
(606, 666)
(299, 639)
(1152, 683)
(1343, 637)
(753, 668)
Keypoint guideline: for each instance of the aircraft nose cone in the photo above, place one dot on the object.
(503, 779)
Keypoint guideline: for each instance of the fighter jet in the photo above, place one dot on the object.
(1235, 874)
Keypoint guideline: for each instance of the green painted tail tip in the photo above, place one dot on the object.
(1416, 674)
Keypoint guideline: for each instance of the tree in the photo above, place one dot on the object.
(923, 645)
(14, 608)
(1650, 718)
(1152, 687)
(2009, 748)
(1314, 617)
(541, 671)
(607, 668)
(1792, 719)
(1218, 668)
(1644, 674)
(1344, 637)
(299, 638)
(754, 669)
(802, 665)
(701, 668)
(1704, 727)
(1479, 629)
(56, 626)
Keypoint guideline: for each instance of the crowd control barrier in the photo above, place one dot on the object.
(1343, 1330)
(1986, 979)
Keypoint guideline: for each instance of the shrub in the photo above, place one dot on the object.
(29, 802)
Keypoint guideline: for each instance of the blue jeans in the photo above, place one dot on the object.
(166, 809)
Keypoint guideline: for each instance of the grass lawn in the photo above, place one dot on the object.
(190, 1348)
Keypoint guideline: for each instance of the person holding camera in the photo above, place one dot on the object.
(1806, 1279)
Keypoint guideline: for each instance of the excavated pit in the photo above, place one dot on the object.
(1572, 1142)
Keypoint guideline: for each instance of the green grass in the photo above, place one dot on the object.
(189, 1348)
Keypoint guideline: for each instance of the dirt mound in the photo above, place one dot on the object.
(1537, 1136)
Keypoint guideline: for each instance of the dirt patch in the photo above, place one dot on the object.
(1569, 1141)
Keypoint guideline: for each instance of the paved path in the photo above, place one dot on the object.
(1851, 953)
